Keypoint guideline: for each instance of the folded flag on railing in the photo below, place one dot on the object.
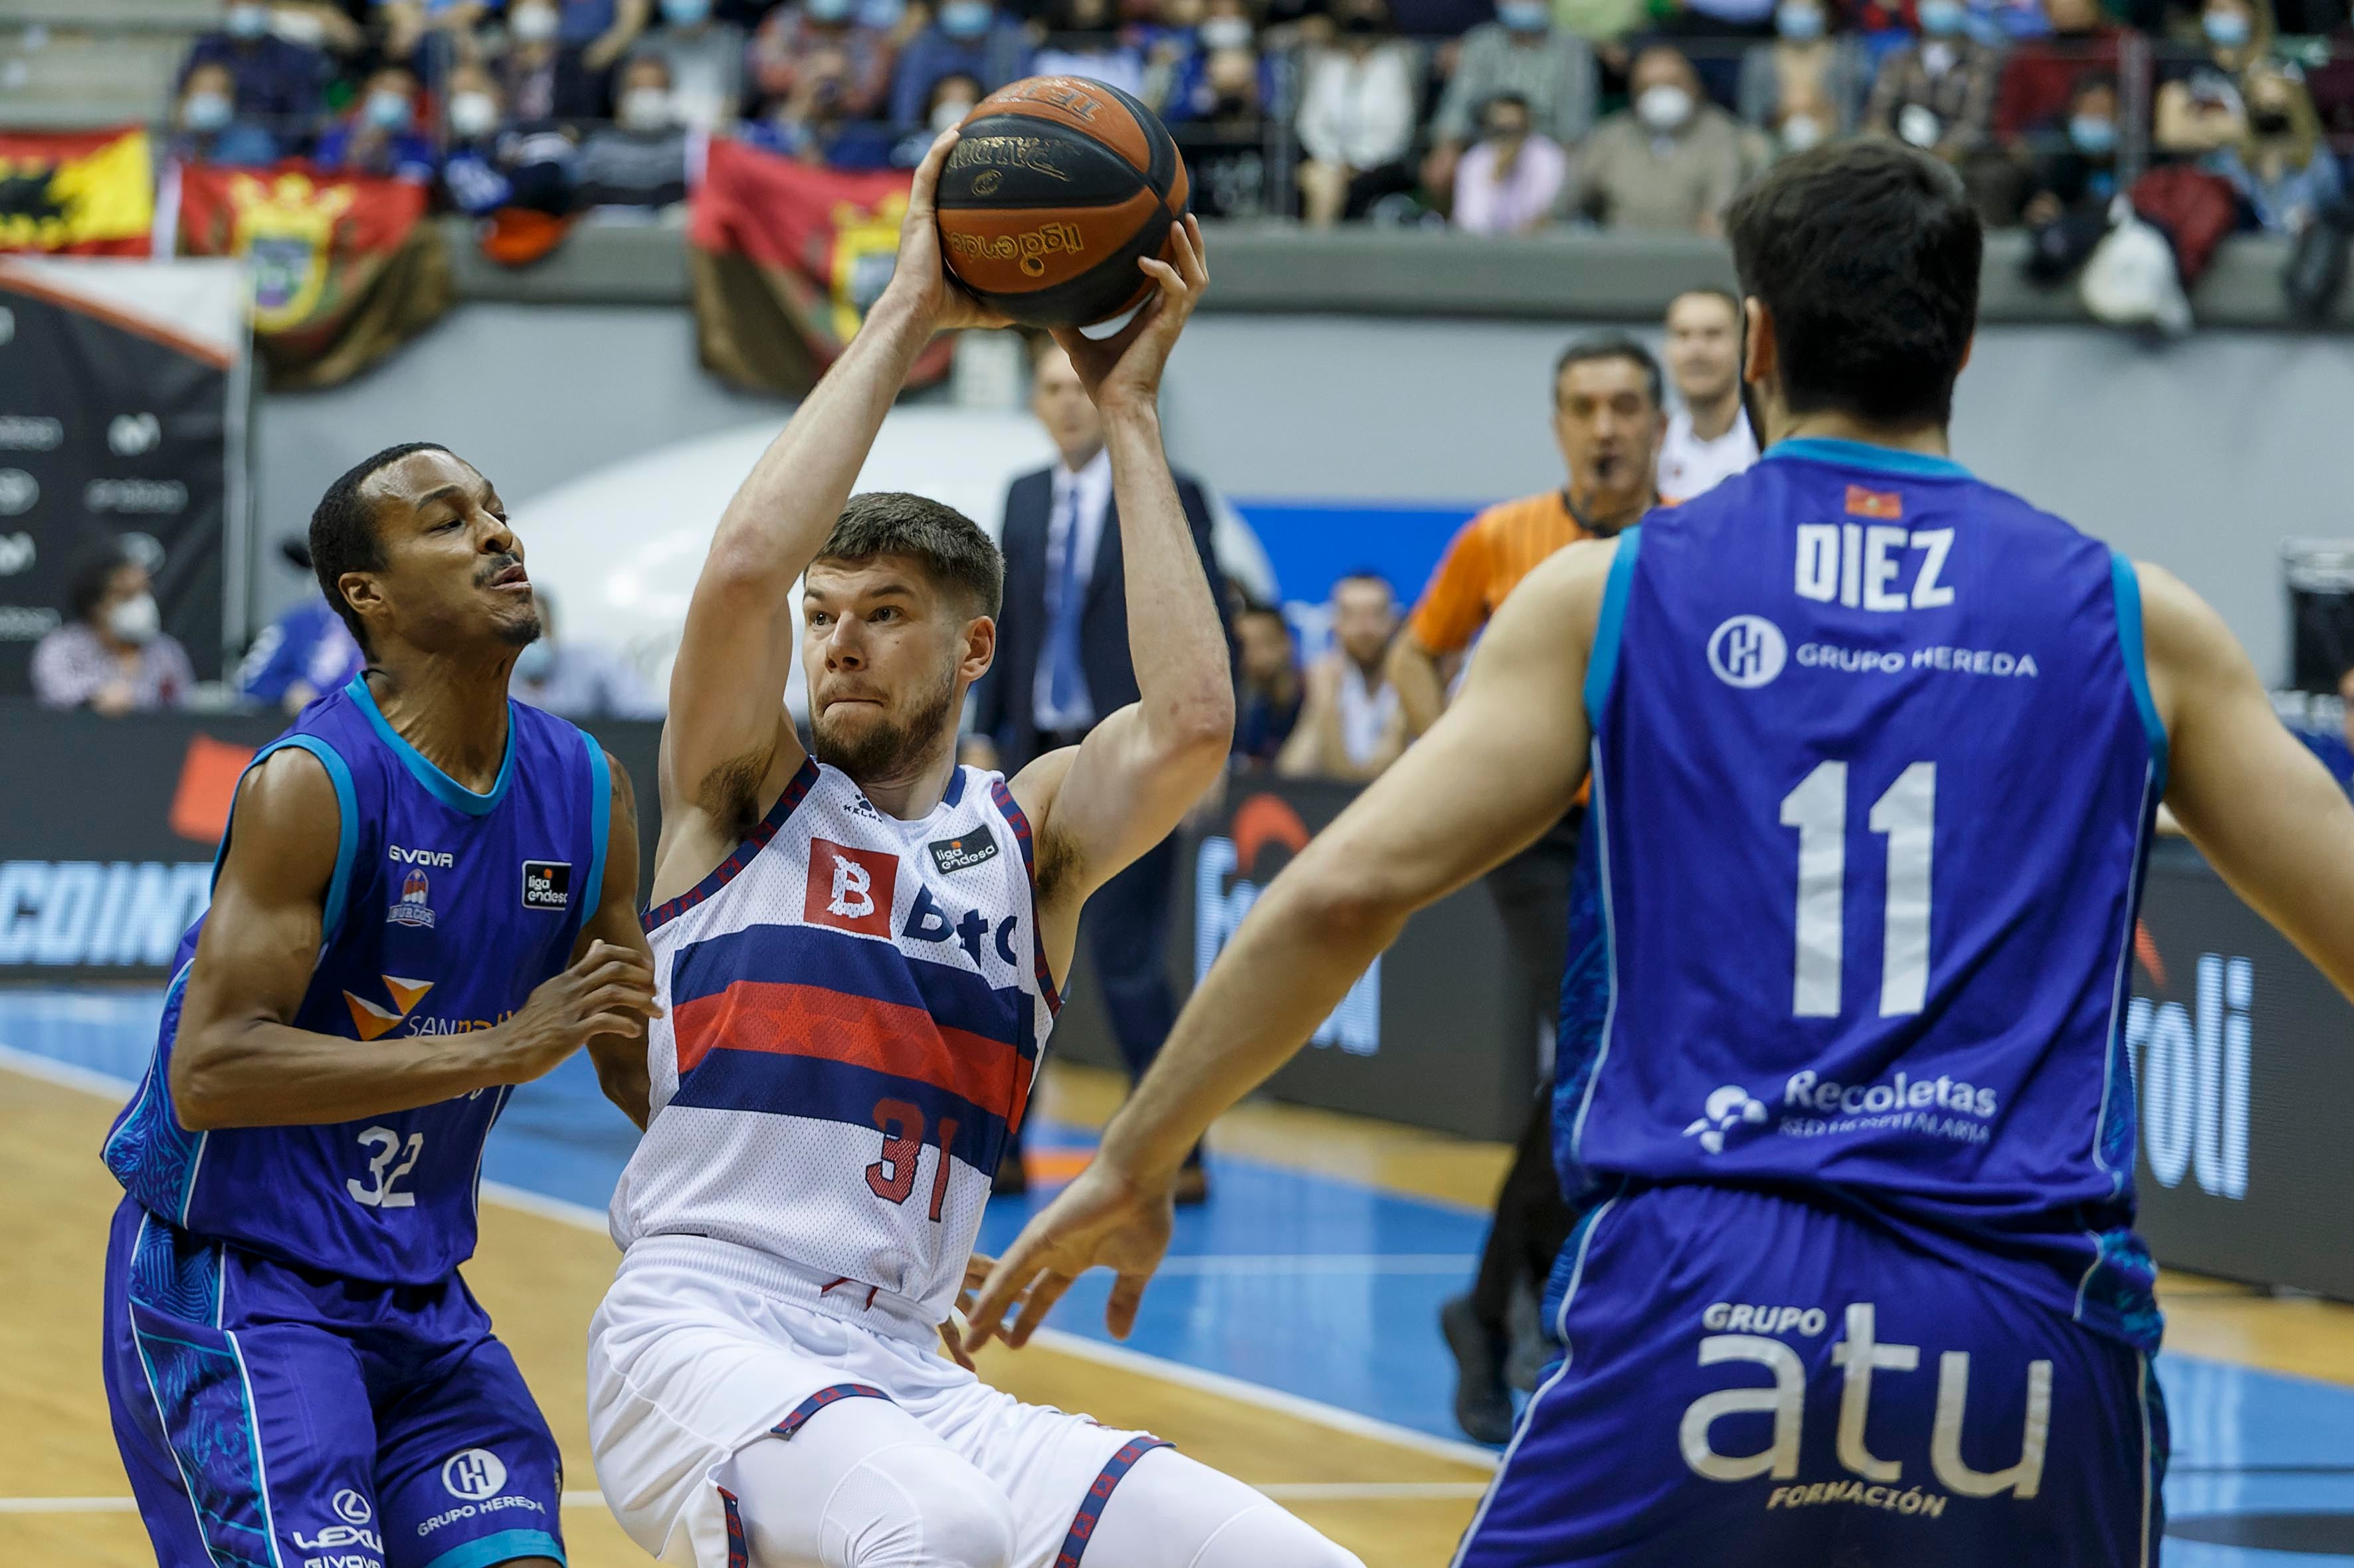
(90, 194)
(343, 268)
(785, 260)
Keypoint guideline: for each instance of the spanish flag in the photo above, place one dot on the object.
(80, 194)
(785, 260)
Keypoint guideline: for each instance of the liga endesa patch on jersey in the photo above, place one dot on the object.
(963, 852)
(546, 885)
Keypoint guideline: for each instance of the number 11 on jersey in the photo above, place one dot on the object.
(1906, 816)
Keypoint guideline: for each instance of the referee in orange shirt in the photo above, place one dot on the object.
(1609, 418)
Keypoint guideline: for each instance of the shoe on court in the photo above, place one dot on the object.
(1483, 1406)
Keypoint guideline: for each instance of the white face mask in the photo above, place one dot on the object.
(645, 109)
(248, 21)
(1664, 107)
(1226, 33)
(1800, 132)
(474, 114)
(135, 621)
(949, 115)
(533, 24)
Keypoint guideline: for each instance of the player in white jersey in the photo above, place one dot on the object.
(857, 957)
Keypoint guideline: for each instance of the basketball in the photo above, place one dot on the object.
(1058, 186)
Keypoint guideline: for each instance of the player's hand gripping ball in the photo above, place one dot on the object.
(1057, 187)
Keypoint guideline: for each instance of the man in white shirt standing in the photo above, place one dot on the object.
(1708, 438)
(1062, 665)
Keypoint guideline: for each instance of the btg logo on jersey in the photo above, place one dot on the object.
(1748, 651)
(473, 1474)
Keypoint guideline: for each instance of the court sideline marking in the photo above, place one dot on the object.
(578, 1216)
(1282, 1491)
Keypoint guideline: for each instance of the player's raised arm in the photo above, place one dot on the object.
(728, 729)
(238, 1061)
(1102, 804)
(2260, 806)
(1497, 770)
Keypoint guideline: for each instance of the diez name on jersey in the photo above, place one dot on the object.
(1859, 566)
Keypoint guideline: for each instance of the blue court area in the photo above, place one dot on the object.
(1328, 1290)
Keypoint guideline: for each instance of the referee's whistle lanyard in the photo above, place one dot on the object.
(1595, 530)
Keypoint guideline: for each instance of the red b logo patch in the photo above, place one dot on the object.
(851, 889)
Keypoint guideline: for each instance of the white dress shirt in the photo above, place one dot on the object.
(1079, 504)
(1690, 466)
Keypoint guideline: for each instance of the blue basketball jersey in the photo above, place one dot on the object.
(447, 908)
(1874, 765)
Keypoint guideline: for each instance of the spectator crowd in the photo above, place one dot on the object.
(1497, 116)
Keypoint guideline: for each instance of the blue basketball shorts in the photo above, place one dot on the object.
(1752, 1378)
(275, 1416)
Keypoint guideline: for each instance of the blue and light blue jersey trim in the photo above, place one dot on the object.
(1894, 461)
(600, 830)
(437, 784)
(2126, 584)
(1602, 664)
(506, 1546)
(347, 837)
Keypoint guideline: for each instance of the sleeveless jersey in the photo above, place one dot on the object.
(1874, 765)
(853, 1010)
(446, 909)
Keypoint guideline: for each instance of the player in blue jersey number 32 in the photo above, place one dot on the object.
(427, 896)
(1843, 1102)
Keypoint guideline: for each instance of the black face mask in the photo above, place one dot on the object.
(1361, 26)
(2269, 121)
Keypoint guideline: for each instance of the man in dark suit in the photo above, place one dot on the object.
(1062, 663)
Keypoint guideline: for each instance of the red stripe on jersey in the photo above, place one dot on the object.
(789, 1020)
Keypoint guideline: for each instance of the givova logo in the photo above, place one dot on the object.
(98, 914)
(2192, 1066)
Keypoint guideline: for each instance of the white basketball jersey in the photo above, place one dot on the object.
(854, 1008)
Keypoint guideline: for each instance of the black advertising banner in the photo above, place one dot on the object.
(122, 418)
(1437, 1033)
(108, 826)
(2243, 1055)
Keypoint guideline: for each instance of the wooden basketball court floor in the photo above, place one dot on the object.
(1290, 1341)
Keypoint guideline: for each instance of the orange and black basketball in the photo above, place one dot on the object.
(1058, 186)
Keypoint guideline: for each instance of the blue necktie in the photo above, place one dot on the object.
(1065, 683)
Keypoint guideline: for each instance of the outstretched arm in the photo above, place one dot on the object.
(2260, 807)
(1507, 758)
(730, 747)
(1120, 792)
(239, 1060)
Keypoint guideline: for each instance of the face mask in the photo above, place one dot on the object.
(1360, 26)
(534, 24)
(1524, 16)
(387, 110)
(1226, 33)
(248, 21)
(135, 621)
(965, 18)
(1663, 107)
(2093, 135)
(474, 114)
(1942, 18)
(2269, 121)
(1800, 132)
(949, 114)
(206, 111)
(830, 12)
(1800, 24)
(535, 661)
(645, 109)
(686, 12)
(1508, 135)
(2226, 30)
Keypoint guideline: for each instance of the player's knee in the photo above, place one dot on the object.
(1267, 1534)
(937, 1512)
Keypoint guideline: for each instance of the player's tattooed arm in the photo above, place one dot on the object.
(1120, 792)
(2260, 807)
(237, 1059)
(620, 1058)
(1499, 766)
(727, 720)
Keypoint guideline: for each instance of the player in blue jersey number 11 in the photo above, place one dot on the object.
(1844, 1103)
(427, 896)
